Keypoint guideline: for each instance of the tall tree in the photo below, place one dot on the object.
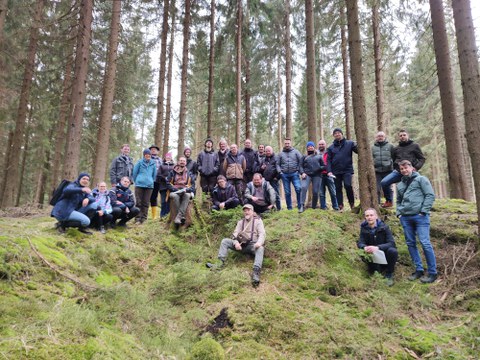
(456, 169)
(168, 106)
(311, 77)
(12, 182)
(246, 54)
(161, 78)
(368, 195)
(377, 55)
(183, 94)
(211, 69)
(74, 137)
(288, 73)
(346, 79)
(470, 74)
(106, 109)
(238, 105)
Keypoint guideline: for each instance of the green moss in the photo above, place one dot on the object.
(106, 279)
(207, 349)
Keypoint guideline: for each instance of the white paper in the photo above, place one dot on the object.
(379, 257)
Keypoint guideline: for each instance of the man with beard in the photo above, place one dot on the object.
(234, 166)
(288, 166)
(192, 165)
(260, 194)
(181, 189)
(208, 165)
(222, 154)
(312, 165)
(382, 161)
(268, 168)
(251, 159)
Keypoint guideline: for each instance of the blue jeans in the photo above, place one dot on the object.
(287, 180)
(80, 214)
(275, 187)
(393, 178)
(315, 180)
(414, 225)
(327, 182)
(387, 190)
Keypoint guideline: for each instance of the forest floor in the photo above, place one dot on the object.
(145, 293)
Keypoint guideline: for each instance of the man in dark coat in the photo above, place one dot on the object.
(251, 159)
(123, 202)
(268, 168)
(121, 166)
(382, 160)
(208, 166)
(224, 195)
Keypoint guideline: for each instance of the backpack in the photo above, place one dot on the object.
(57, 193)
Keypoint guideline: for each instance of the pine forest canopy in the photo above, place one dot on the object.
(79, 78)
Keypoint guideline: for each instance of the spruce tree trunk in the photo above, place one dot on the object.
(238, 109)
(366, 173)
(248, 111)
(288, 75)
(12, 180)
(346, 79)
(311, 77)
(456, 169)
(3, 15)
(183, 99)
(74, 137)
(106, 109)
(377, 53)
(168, 106)
(211, 68)
(159, 133)
(279, 105)
(468, 59)
(320, 127)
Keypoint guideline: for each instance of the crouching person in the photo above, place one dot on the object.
(102, 204)
(74, 208)
(249, 238)
(182, 189)
(224, 195)
(123, 202)
(260, 194)
(375, 238)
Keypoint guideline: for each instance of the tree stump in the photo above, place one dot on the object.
(188, 215)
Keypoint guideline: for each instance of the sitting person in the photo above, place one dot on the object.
(249, 238)
(123, 203)
(224, 195)
(375, 235)
(74, 209)
(181, 188)
(260, 194)
(102, 204)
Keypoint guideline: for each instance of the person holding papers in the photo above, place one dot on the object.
(376, 238)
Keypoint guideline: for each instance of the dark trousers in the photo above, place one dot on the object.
(229, 204)
(239, 186)
(154, 197)
(391, 254)
(387, 190)
(98, 220)
(276, 186)
(207, 183)
(119, 213)
(142, 196)
(346, 181)
(164, 203)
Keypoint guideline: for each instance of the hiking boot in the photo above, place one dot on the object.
(428, 279)
(416, 275)
(102, 229)
(340, 207)
(183, 220)
(256, 276)
(122, 223)
(301, 209)
(389, 280)
(84, 230)
(216, 265)
(178, 220)
(387, 204)
(352, 205)
(60, 228)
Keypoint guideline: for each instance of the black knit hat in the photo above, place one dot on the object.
(337, 129)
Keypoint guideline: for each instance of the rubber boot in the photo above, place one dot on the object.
(154, 212)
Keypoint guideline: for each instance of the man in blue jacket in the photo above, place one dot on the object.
(340, 165)
(415, 199)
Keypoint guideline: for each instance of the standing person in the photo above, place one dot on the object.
(415, 198)
(144, 174)
(192, 165)
(234, 166)
(208, 166)
(376, 236)
(407, 149)
(224, 195)
(383, 163)
(222, 154)
(103, 206)
(260, 194)
(260, 153)
(288, 166)
(248, 238)
(268, 168)
(121, 166)
(154, 149)
(181, 187)
(340, 165)
(162, 176)
(312, 166)
(73, 209)
(123, 202)
(251, 160)
(327, 181)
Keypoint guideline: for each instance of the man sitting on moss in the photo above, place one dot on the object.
(249, 238)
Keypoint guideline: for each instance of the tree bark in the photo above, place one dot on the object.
(320, 127)
(238, 108)
(12, 181)
(159, 131)
(211, 69)
(456, 169)
(311, 77)
(183, 99)
(346, 79)
(3, 15)
(377, 54)
(106, 109)
(168, 106)
(288, 74)
(74, 137)
(279, 105)
(367, 181)
(470, 74)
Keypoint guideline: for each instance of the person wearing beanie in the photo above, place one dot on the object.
(340, 166)
(312, 165)
(192, 165)
(121, 166)
(144, 174)
(224, 196)
(154, 150)
(208, 166)
(74, 209)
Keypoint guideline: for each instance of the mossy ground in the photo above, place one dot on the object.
(155, 298)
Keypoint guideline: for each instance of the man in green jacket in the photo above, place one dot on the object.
(415, 198)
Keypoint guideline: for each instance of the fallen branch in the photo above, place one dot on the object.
(54, 268)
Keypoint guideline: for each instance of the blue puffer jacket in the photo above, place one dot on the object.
(71, 200)
(340, 157)
(144, 173)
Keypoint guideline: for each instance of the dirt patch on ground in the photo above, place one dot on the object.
(220, 322)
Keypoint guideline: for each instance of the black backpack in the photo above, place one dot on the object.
(57, 193)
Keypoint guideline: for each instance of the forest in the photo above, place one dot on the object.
(80, 78)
